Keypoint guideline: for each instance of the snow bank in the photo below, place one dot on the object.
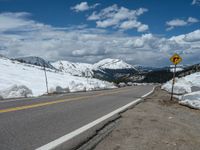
(59, 89)
(188, 87)
(16, 91)
(181, 86)
(192, 100)
(21, 80)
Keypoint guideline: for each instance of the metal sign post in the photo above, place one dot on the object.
(45, 74)
(87, 71)
(175, 59)
(173, 81)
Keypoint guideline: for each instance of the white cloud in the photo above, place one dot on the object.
(18, 21)
(90, 45)
(143, 28)
(13, 20)
(180, 22)
(83, 6)
(195, 2)
(192, 20)
(121, 18)
(177, 22)
(193, 36)
(93, 16)
(130, 24)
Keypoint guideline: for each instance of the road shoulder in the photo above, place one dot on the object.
(155, 124)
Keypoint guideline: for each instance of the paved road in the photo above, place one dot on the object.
(31, 123)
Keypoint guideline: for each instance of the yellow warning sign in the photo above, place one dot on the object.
(176, 59)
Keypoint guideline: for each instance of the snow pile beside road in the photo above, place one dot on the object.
(191, 100)
(16, 91)
(188, 87)
(182, 86)
(22, 80)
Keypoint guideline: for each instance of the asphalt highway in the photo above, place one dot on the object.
(27, 124)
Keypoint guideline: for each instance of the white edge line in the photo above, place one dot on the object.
(14, 100)
(76, 132)
(148, 93)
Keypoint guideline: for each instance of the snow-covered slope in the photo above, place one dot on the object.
(189, 89)
(20, 79)
(144, 69)
(178, 68)
(35, 61)
(106, 69)
(112, 64)
(76, 69)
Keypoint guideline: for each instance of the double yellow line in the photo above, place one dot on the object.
(57, 102)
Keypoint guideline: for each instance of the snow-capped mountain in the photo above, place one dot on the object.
(114, 70)
(20, 80)
(112, 64)
(106, 69)
(35, 61)
(76, 69)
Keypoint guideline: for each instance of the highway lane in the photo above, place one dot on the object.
(31, 123)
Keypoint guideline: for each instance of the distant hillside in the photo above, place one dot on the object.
(113, 70)
(158, 76)
(164, 74)
(143, 69)
(113, 64)
(189, 70)
(35, 61)
(76, 69)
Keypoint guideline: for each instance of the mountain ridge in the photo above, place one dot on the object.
(107, 69)
(34, 60)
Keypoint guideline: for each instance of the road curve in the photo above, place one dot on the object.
(33, 122)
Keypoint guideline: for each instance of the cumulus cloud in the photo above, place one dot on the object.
(193, 36)
(180, 22)
(119, 17)
(13, 20)
(90, 45)
(195, 2)
(83, 6)
(192, 20)
(18, 21)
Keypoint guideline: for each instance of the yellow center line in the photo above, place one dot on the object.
(57, 101)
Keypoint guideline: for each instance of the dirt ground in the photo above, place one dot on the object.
(156, 124)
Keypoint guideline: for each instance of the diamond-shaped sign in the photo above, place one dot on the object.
(176, 59)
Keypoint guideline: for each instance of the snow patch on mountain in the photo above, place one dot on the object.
(76, 69)
(90, 70)
(113, 64)
(35, 61)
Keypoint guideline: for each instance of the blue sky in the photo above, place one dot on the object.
(138, 31)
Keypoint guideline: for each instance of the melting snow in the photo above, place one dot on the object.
(188, 87)
(22, 80)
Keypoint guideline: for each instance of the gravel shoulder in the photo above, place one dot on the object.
(155, 124)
